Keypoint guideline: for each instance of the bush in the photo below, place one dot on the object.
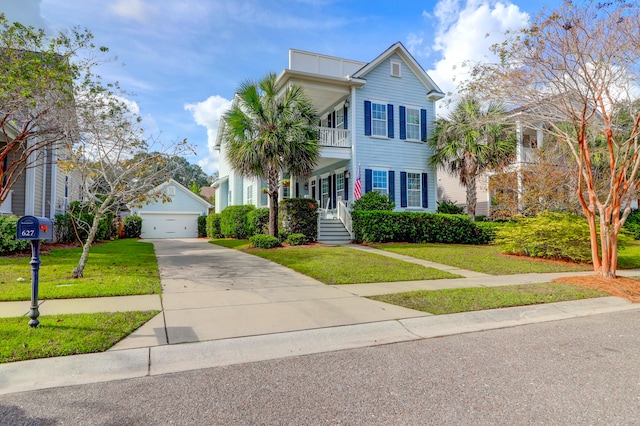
(9, 244)
(259, 221)
(550, 235)
(264, 241)
(132, 226)
(297, 239)
(298, 216)
(384, 226)
(63, 228)
(234, 222)
(632, 224)
(373, 200)
(82, 221)
(213, 226)
(449, 207)
(202, 226)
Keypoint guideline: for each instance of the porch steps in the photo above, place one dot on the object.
(332, 232)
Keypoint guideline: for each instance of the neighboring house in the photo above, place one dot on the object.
(207, 192)
(175, 219)
(42, 189)
(375, 118)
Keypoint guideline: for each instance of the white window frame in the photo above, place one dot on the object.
(414, 126)
(381, 189)
(250, 195)
(324, 179)
(340, 185)
(171, 190)
(396, 64)
(339, 118)
(414, 191)
(375, 119)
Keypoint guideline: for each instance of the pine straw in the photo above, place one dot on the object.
(627, 288)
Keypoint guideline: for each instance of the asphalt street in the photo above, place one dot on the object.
(582, 371)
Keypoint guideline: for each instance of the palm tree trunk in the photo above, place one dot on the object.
(471, 169)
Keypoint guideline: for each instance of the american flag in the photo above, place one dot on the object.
(357, 188)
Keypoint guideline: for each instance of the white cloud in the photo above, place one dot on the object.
(138, 10)
(465, 30)
(208, 113)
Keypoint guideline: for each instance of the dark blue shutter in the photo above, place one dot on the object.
(367, 118)
(333, 192)
(392, 186)
(368, 180)
(390, 121)
(346, 189)
(403, 122)
(423, 125)
(425, 190)
(346, 117)
(329, 120)
(403, 189)
(333, 119)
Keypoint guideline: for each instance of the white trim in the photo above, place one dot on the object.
(139, 212)
(398, 64)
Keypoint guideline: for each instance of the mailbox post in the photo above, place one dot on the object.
(35, 229)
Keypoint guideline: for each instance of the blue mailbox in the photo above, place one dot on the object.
(34, 228)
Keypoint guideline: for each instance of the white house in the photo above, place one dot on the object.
(175, 219)
(375, 119)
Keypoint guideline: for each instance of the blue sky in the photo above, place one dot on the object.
(183, 59)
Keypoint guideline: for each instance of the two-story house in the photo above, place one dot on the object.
(375, 118)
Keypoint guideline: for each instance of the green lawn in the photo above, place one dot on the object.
(59, 335)
(343, 265)
(116, 268)
(486, 259)
(452, 301)
(231, 243)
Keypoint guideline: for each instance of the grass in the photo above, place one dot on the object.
(485, 259)
(117, 268)
(60, 335)
(629, 257)
(343, 265)
(457, 300)
(231, 243)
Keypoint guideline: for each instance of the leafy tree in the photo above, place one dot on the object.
(40, 78)
(104, 154)
(471, 140)
(576, 69)
(268, 131)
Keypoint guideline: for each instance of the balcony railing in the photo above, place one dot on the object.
(340, 138)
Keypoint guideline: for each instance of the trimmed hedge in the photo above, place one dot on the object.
(297, 239)
(259, 221)
(416, 227)
(264, 241)
(213, 226)
(9, 244)
(299, 216)
(234, 222)
(373, 200)
(132, 226)
(202, 226)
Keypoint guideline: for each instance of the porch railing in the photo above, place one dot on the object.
(335, 137)
(345, 216)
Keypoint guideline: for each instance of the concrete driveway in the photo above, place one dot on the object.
(211, 292)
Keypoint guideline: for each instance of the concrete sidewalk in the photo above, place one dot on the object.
(221, 306)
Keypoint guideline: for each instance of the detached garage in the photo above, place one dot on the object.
(176, 219)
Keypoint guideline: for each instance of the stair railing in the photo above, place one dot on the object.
(345, 216)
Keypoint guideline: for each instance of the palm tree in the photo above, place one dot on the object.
(268, 132)
(471, 140)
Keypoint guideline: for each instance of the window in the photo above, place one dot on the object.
(171, 190)
(414, 190)
(396, 68)
(250, 195)
(378, 119)
(340, 118)
(413, 123)
(340, 185)
(325, 192)
(380, 182)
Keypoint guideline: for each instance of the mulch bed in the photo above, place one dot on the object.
(627, 288)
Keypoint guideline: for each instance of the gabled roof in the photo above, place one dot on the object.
(184, 189)
(398, 48)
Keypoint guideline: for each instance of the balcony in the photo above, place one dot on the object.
(335, 138)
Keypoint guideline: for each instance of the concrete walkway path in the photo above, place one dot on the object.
(222, 306)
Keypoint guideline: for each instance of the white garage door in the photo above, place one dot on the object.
(169, 225)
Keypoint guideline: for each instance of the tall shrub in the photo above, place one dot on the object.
(234, 222)
(259, 221)
(213, 226)
(202, 226)
(132, 226)
(8, 242)
(299, 216)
